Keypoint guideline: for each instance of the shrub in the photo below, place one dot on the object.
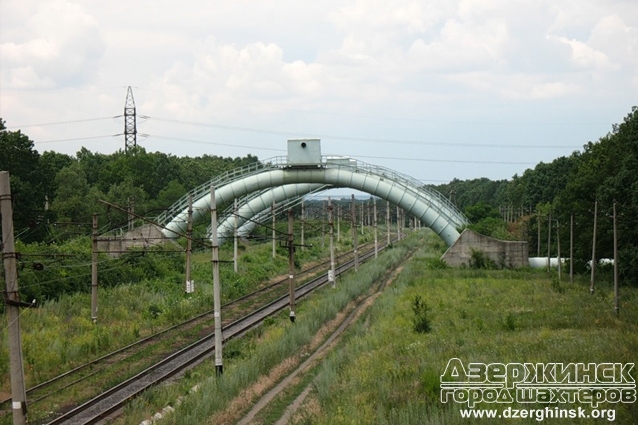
(421, 321)
(480, 260)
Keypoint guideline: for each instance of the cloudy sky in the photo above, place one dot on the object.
(437, 89)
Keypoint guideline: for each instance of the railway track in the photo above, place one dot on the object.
(110, 401)
(101, 368)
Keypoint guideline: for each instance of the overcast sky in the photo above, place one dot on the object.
(436, 89)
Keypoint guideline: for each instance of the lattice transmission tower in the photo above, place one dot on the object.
(130, 122)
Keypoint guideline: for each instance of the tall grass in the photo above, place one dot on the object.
(59, 334)
(276, 342)
(388, 373)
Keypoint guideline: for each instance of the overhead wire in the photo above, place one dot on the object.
(363, 139)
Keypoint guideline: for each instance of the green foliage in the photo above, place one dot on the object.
(491, 226)
(28, 181)
(509, 323)
(556, 285)
(480, 211)
(480, 260)
(420, 321)
(386, 375)
(435, 263)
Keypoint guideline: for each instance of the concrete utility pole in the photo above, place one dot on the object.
(217, 305)
(387, 221)
(355, 239)
(338, 223)
(616, 289)
(549, 239)
(189, 243)
(571, 249)
(398, 223)
(94, 254)
(303, 222)
(538, 224)
(593, 251)
(331, 274)
(291, 266)
(560, 266)
(376, 234)
(323, 226)
(235, 237)
(131, 213)
(274, 248)
(12, 301)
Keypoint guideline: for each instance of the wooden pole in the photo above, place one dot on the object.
(12, 300)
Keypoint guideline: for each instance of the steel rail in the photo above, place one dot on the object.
(110, 401)
(141, 342)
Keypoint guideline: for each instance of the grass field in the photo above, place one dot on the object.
(387, 368)
(387, 373)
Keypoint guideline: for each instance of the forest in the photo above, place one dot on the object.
(55, 195)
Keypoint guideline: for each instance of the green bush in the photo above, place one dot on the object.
(480, 260)
(420, 321)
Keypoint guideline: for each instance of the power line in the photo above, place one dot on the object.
(214, 143)
(447, 160)
(78, 138)
(60, 122)
(365, 139)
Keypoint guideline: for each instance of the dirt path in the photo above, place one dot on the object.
(356, 308)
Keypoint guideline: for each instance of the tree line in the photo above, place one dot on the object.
(604, 171)
(54, 192)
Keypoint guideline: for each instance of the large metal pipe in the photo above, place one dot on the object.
(431, 211)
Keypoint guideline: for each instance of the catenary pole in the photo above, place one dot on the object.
(236, 218)
(355, 239)
(274, 248)
(376, 233)
(331, 275)
(571, 249)
(12, 300)
(217, 305)
(291, 266)
(94, 254)
(549, 240)
(593, 251)
(189, 243)
(616, 289)
(387, 221)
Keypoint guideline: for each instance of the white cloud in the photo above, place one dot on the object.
(324, 66)
(61, 44)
